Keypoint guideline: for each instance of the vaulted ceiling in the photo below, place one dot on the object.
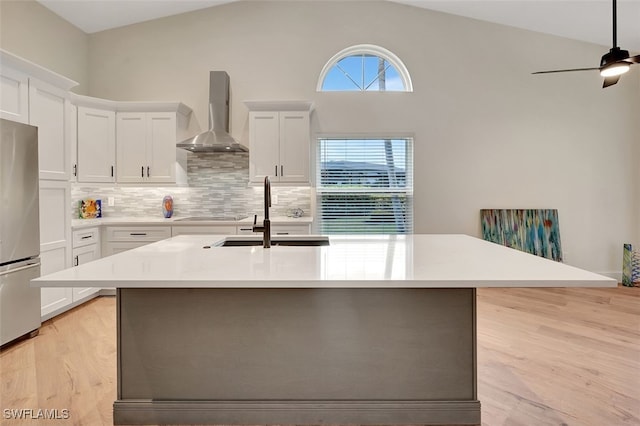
(586, 20)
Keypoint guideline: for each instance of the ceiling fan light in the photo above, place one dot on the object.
(615, 69)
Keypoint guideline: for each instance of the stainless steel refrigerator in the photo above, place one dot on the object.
(19, 231)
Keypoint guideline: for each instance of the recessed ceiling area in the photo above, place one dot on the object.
(586, 20)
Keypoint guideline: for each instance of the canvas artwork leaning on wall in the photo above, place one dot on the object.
(535, 231)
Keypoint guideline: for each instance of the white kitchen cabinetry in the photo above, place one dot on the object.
(71, 130)
(279, 142)
(96, 145)
(86, 247)
(14, 101)
(48, 111)
(37, 96)
(203, 229)
(246, 230)
(55, 230)
(16, 75)
(302, 229)
(146, 147)
(290, 230)
(122, 238)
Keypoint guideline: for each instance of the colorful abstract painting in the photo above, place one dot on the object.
(630, 266)
(534, 231)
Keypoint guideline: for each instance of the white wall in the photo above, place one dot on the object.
(33, 32)
(488, 134)
(636, 162)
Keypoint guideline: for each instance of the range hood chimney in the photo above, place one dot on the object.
(217, 138)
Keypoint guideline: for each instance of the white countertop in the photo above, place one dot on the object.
(184, 220)
(416, 261)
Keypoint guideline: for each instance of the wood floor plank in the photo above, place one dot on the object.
(546, 357)
(572, 351)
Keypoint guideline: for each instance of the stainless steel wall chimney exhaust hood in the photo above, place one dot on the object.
(217, 138)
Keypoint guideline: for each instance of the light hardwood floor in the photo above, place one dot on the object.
(545, 357)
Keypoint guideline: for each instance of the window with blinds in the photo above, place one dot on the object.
(364, 185)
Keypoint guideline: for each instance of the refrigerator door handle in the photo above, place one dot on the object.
(21, 268)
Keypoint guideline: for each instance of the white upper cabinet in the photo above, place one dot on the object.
(264, 145)
(14, 98)
(16, 75)
(129, 142)
(34, 95)
(279, 141)
(47, 111)
(161, 147)
(96, 145)
(71, 131)
(131, 136)
(294, 146)
(146, 146)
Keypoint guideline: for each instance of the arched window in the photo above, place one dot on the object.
(365, 68)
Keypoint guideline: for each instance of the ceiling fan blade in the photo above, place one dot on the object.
(571, 70)
(610, 81)
(633, 59)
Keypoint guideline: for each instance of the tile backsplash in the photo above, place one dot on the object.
(217, 185)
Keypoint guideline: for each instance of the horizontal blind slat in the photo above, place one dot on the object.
(365, 185)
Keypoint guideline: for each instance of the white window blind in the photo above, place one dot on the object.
(365, 185)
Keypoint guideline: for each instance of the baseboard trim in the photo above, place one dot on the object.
(132, 412)
(107, 292)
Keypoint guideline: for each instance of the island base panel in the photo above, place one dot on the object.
(298, 412)
(304, 356)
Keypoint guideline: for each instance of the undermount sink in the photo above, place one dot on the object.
(281, 240)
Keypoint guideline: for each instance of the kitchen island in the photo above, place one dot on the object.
(366, 330)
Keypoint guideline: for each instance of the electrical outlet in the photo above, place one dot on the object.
(111, 201)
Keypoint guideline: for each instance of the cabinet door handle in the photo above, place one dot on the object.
(281, 170)
(86, 237)
(75, 170)
(246, 229)
(142, 171)
(137, 234)
(148, 171)
(111, 171)
(76, 261)
(276, 170)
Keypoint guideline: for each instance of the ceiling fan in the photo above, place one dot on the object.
(613, 64)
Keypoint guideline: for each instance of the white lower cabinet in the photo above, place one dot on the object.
(54, 300)
(86, 247)
(245, 230)
(290, 230)
(303, 229)
(122, 238)
(276, 229)
(111, 248)
(203, 229)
